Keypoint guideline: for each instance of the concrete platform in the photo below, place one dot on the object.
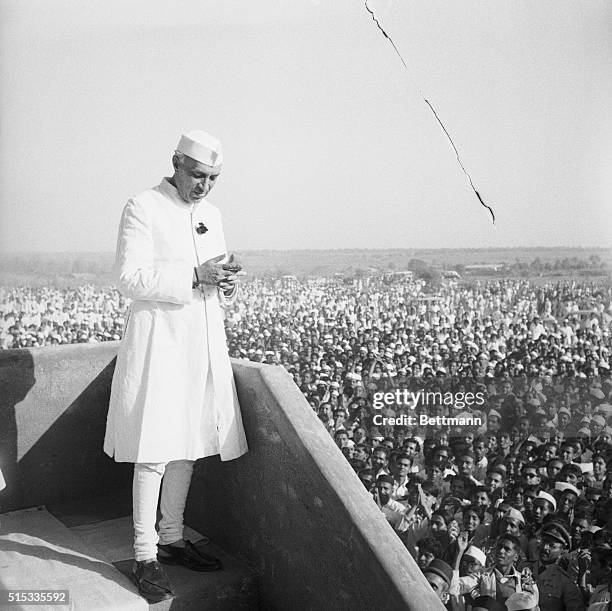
(233, 588)
(93, 560)
(38, 552)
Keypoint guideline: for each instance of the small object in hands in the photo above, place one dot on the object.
(201, 228)
(232, 265)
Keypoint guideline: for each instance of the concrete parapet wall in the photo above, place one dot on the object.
(53, 406)
(292, 507)
(296, 511)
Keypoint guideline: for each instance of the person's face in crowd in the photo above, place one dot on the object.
(325, 412)
(434, 472)
(524, 427)
(342, 439)
(541, 508)
(403, 465)
(480, 449)
(359, 435)
(504, 441)
(466, 465)
(481, 499)
(439, 586)
(440, 456)
(410, 448)
(424, 558)
(458, 488)
(515, 434)
(469, 566)
(385, 490)
(567, 502)
(505, 555)
(550, 550)
(492, 446)
(510, 462)
(599, 467)
(388, 443)
(443, 439)
(553, 468)
(569, 477)
(567, 453)
(528, 498)
(348, 451)
(339, 417)
(530, 476)
(367, 480)
(471, 521)
(493, 423)
(494, 481)
(549, 451)
(510, 526)
(360, 453)
(563, 419)
(578, 527)
(379, 459)
(437, 524)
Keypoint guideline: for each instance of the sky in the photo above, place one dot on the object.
(328, 142)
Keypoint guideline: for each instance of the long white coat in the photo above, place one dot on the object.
(173, 395)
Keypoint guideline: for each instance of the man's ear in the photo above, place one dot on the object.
(175, 162)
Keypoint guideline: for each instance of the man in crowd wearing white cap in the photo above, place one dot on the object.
(173, 398)
(543, 505)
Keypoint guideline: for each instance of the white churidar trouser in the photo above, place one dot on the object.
(145, 494)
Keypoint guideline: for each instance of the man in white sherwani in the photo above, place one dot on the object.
(173, 398)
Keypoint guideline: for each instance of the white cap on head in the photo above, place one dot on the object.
(547, 497)
(202, 147)
(477, 554)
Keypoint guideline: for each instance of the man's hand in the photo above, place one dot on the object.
(214, 273)
(462, 542)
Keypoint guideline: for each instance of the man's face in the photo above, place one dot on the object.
(342, 439)
(410, 448)
(385, 490)
(402, 466)
(530, 476)
(549, 452)
(359, 434)
(541, 508)
(479, 449)
(505, 554)
(553, 468)
(550, 549)
(567, 502)
(424, 559)
(567, 454)
(379, 460)
(466, 465)
(494, 481)
(504, 441)
(481, 499)
(510, 526)
(438, 585)
(193, 180)
(325, 412)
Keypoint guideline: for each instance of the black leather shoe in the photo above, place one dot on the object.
(189, 556)
(152, 581)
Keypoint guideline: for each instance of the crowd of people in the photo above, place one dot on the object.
(478, 416)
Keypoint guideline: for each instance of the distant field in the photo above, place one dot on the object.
(538, 264)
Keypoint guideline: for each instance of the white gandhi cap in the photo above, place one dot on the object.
(202, 147)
